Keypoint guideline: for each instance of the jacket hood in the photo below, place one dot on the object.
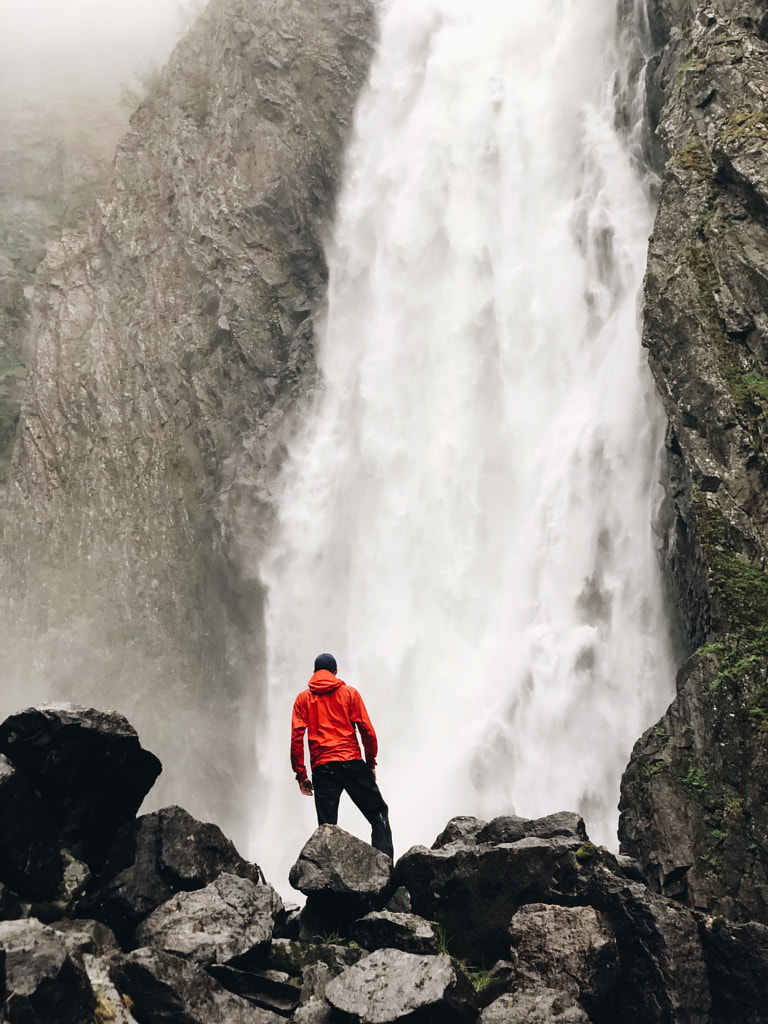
(324, 681)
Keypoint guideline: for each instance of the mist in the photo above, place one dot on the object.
(68, 46)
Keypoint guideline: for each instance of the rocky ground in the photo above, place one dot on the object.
(157, 919)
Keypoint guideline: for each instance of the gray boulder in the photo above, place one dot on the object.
(30, 861)
(152, 859)
(295, 957)
(88, 768)
(461, 829)
(567, 949)
(383, 929)
(473, 891)
(230, 920)
(542, 1006)
(42, 982)
(167, 989)
(340, 873)
(507, 829)
(390, 985)
(316, 1011)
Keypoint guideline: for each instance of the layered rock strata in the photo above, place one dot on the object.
(694, 797)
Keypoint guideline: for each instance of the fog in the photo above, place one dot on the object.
(55, 46)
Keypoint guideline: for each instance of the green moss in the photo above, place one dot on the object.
(692, 65)
(656, 768)
(586, 852)
(741, 590)
(743, 127)
(695, 783)
(694, 157)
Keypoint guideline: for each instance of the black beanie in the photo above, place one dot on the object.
(325, 661)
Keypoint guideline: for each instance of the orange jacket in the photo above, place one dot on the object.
(329, 710)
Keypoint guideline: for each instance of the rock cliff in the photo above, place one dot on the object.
(172, 335)
(695, 794)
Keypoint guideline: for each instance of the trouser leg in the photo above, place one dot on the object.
(358, 780)
(327, 790)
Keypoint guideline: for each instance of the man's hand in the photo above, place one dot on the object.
(305, 786)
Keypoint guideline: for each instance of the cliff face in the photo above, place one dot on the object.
(173, 333)
(695, 794)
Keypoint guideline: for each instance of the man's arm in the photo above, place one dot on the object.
(367, 733)
(298, 728)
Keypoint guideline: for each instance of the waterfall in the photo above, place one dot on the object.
(464, 518)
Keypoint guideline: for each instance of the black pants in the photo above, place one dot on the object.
(357, 779)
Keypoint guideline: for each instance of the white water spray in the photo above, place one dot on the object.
(465, 516)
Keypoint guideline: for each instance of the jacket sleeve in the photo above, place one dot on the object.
(298, 728)
(365, 728)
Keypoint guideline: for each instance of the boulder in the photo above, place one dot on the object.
(384, 930)
(390, 985)
(230, 920)
(167, 989)
(458, 830)
(542, 1006)
(663, 972)
(473, 891)
(30, 861)
(567, 949)
(42, 982)
(340, 873)
(152, 859)
(737, 960)
(88, 768)
(507, 829)
(399, 902)
(270, 990)
(316, 1011)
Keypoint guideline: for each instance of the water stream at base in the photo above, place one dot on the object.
(465, 515)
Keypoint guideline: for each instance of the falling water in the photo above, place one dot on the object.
(465, 516)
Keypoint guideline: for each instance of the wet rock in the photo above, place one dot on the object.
(42, 982)
(164, 988)
(390, 985)
(737, 961)
(151, 860)
(570, 950)
(663, 972)
(230, 920)
(268, 989)
(694, 795)
(474, 891)
(385, 930)
(87, 767)
(30, 861)
(340, 873)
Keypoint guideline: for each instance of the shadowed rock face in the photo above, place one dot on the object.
(173, 333)
(694, 795)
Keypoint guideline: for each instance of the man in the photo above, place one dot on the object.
(329, 710)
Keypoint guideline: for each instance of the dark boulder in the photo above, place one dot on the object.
(663, 973)
(30, 861)
(509, 829)
(230, 920)
(390, 985)
(737, 961)
(571, 950)
(473, 891)
(340, 874)
(167, 989)
(461, 829)
(43, 985)
(384, 930)
(88, 768)
(152, 859)
(267, 989)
